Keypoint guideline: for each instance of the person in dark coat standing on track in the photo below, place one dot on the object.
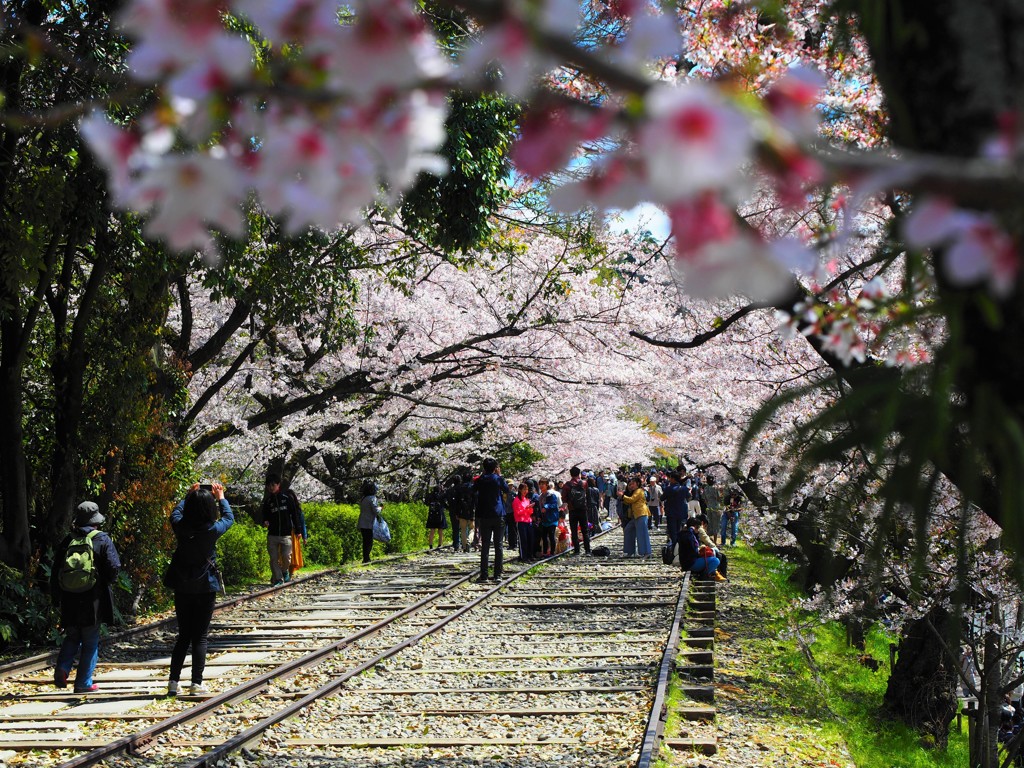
(282, 516)
(574, 493)
(198, 520)
(490, 490)
(368, 511)
(80, 580)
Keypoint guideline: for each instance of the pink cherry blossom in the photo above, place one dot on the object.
(189, 192)
(977, 248)
(171, 34)
(693, 141)
(793, 99)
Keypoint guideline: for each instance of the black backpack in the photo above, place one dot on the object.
(575, 496)
(467, 505)
(668, 553)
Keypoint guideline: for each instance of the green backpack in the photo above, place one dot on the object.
(78, 572)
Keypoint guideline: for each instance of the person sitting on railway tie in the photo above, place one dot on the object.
(694, 557)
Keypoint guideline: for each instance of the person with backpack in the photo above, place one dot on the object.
(198, 520)
(282, 517)
(575, 494)
(436, 517)
(85, 566)
(451, 501)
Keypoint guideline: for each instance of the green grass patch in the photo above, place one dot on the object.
(806, 678)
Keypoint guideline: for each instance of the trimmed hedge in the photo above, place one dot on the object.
(331, 539)
(242, 553)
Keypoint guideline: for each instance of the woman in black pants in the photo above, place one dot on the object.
(368, 511)
(198, 521)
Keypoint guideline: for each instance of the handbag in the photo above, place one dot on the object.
(705, 552)
(381, 532)
(298, 561)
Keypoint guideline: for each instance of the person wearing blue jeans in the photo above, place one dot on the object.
(730, 522)
(634, 501)
(695, 558)
(83, 609)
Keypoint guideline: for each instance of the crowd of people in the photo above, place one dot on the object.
(540, 518)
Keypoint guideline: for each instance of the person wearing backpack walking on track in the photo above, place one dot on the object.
(86, 565)
(575, 494)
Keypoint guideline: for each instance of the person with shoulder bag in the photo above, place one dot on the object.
(85, 566)
(198, 520)
(369, 509)
(695, 557)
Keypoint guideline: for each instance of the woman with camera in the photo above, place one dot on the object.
(198, 521)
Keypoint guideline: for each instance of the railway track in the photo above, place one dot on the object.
(565, 662)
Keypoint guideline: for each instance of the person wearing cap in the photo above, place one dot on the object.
(81, 613)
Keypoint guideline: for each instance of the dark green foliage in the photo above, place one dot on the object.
(27, 616)
(242, 553)
(453, 212)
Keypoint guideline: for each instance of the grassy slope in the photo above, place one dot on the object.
(787, 698)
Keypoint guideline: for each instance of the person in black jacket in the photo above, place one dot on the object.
(198, 521)
(452, 502)
(282, 516)
(490, 490)
(82, 612)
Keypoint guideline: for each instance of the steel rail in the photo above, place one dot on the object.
(49, 658)
(656, 720)
(138, 741)
(215, 755)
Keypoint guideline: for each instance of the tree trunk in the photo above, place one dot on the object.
(15, 543)
(922, 687)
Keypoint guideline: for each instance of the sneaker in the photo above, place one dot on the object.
(172, 687)
(60, 678)
(198, 689)
(719, 577)
(88, 689)
(481, 580)
(496, 578)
